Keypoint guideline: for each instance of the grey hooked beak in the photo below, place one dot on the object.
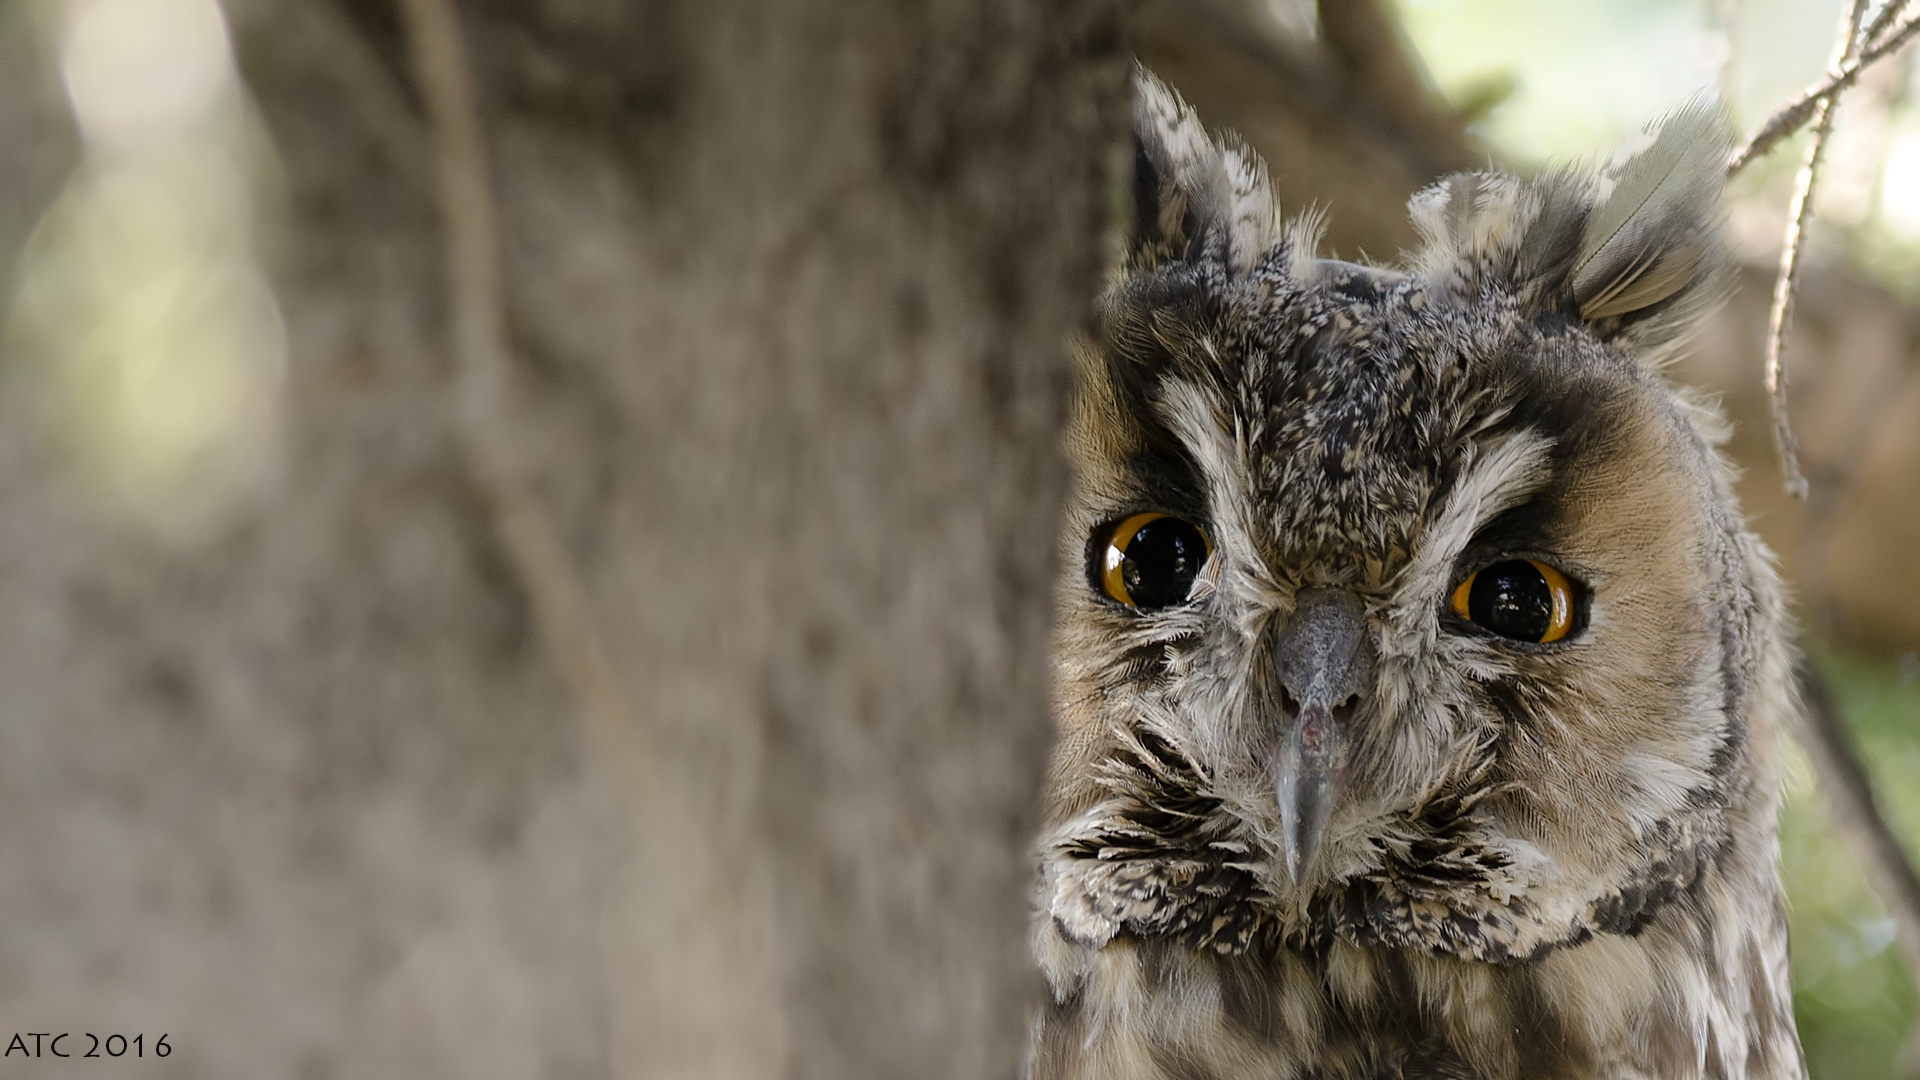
(1324, 662)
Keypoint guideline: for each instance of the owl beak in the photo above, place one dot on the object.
(1324, 662)
(1303, 783)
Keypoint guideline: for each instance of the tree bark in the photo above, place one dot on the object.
(790, 285)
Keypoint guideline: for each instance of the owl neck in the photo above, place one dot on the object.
(1699, 990)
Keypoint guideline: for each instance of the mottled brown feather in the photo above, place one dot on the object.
(1546, 861)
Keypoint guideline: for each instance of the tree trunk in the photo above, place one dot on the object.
(789, 289)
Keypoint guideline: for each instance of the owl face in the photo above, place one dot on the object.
(1407, 606)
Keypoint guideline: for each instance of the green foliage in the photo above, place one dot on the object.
(1855, 1001)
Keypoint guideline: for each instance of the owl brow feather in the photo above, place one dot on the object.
(1495, 476)
(1198, 418)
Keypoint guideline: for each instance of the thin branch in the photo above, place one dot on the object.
(370, 87)
(722, 1010)
(1849, 792)
(477, 309)
(1794, 115)
(1780, 321)
(1799, 213)
(1877, 29)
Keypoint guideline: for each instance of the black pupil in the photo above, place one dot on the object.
(1159, 564)
(1512, 599)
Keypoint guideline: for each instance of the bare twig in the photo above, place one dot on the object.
(1877, 29)
(1849, 791)
(376, 96)
(477, 310)
(1799, 212)
(1794, 115)
(723, 1007)
(1780, 321)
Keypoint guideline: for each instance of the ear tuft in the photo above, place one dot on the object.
(1632, 250)
(1653, 229)
(1194, 198)
(1468, 214)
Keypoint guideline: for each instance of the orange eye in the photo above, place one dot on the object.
(1150, 561)
(1522, 599)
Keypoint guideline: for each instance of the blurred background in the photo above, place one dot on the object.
(144, 211)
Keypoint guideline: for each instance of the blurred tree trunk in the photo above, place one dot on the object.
(791, 285)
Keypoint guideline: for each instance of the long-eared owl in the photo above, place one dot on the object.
(1418, 684)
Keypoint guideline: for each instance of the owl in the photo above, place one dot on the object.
(1418, 684)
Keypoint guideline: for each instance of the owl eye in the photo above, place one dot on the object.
(1150, 561)
(1520, 599)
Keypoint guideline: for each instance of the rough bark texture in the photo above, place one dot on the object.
(791, 284)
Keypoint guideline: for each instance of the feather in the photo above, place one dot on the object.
(1190, 187)
(1651, 233)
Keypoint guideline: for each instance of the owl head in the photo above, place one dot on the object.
(1406, 606)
